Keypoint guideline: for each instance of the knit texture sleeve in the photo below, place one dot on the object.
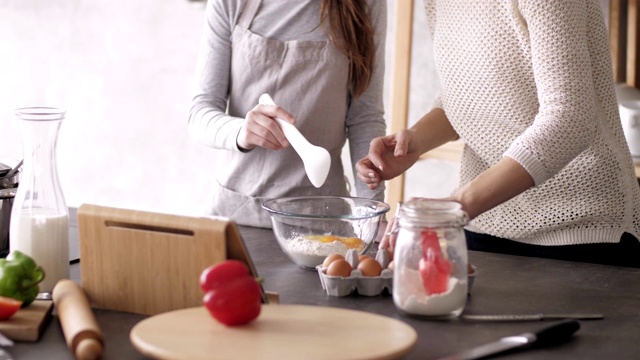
(365, 116)
(562, 69)
(430, 11)
(208, 122)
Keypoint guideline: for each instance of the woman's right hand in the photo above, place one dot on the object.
(388, 240)
(389, 156)
(261, 129)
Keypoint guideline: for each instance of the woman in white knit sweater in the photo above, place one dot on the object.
(528, 86)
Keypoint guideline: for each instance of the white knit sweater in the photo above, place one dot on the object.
(532, 80)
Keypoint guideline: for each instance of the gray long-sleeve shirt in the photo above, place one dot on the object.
(283, 20)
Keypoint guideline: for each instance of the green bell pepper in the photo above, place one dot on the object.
(19, 277)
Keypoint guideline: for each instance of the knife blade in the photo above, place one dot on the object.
(531, 317)
(4, 355)
(5, 341)
(553, 334)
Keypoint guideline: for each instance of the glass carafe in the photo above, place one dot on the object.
(39, 216)
(430, 259)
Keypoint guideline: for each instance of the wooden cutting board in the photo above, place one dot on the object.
(149, 263)
(281, 331)
(28, 323)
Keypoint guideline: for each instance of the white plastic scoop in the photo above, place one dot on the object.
(316, 159)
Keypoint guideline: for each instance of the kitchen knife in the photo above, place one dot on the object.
(4, 355)
(553, 334)
(5, 342)
(531, 317)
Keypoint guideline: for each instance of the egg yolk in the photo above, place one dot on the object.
(348, 242)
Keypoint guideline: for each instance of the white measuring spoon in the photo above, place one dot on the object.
(316, 159)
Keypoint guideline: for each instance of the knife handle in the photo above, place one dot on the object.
(556, 333)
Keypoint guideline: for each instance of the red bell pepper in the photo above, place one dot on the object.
(232, 295)
(8, 307)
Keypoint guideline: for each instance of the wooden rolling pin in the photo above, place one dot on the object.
(79, 326)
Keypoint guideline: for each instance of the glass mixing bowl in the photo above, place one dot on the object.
(309, 228)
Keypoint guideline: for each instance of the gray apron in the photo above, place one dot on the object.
(309, 79)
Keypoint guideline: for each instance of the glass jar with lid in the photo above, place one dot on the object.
(430, 259)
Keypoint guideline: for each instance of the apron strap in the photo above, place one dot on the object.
(248, 13)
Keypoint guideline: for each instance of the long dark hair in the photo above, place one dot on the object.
(351, 30)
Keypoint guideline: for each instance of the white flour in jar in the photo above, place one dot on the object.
(411, 297)
(311, 253)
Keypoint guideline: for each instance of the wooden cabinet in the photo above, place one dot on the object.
(624, 35)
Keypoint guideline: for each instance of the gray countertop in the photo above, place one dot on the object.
(504, 285)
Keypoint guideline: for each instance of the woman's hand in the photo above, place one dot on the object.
(388, 240)
(261, 129)
(389, 156)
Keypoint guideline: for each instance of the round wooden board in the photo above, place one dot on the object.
(280, 332)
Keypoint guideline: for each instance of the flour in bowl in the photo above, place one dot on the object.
(309, 252)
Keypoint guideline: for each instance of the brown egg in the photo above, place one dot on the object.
(390, 267)
(339, 268)
(363, 257)
(329, 259)
(370, 267)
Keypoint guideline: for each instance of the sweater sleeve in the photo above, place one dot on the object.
(564, 125)
(208, 122)
(430, 11)
(365, 116)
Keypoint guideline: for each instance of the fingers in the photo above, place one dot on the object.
(251, 136)
(379, 148)
(367, 173)
(276, 112)
(388, 240)
(260, 128)
(389, 147)
(374, 168)
(402, 141)
(377, 166)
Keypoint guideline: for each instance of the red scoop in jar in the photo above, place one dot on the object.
(434, 268)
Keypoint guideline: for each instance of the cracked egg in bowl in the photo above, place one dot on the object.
(310, 228)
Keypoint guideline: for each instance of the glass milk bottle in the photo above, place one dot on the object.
(430, 259)
(39, 216)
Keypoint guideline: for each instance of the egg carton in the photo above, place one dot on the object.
(364, 285)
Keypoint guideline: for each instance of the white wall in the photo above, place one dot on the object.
(122, 69)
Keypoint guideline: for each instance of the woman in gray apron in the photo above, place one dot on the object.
(288, 50)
